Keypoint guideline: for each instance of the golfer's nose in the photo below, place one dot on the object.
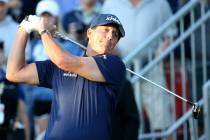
(110, 35)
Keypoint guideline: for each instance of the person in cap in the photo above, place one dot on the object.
(12, 108)
(81, 15)
(42, 97)
(49, 10)
(85, 87)
(8, 29)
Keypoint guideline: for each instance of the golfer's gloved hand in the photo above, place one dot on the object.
(30, 23)
(34, 22)
(26, 26)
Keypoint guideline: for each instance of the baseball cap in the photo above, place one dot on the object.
(5, 1)
(105, 19)
(49, 6)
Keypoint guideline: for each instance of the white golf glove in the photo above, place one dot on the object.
(26, 26)
(34, 21)
(30, 24)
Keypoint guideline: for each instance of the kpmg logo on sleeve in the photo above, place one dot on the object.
(111, 18)
(69, 74)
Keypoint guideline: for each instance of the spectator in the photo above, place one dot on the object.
(174, 4)
(15, 9)
(14, 109)
(200, 56)
(27, 8)
(140, 19)
(66, 6)
(49, 10)
(101, 1)
(199, 50)
(77, 21)
(8, 29)
(87, 10)
(76, 31)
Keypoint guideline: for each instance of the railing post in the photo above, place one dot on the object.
(206, 97)
(138, 95)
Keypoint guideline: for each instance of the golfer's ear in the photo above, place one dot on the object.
(89, 30)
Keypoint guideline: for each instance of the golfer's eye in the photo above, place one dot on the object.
(106, 30)
(116, 34)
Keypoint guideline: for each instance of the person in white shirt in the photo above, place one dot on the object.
(140, 19)
(8, 29)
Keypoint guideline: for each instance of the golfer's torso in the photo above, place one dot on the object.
(81, 109)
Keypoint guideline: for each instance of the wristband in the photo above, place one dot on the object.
(44, 31)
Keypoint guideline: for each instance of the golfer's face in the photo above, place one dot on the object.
(103, 39)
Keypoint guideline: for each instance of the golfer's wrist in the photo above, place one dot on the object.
(22, 30)
(43, 31)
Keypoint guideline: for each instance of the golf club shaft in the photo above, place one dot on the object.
(191, 103)
(57, 34)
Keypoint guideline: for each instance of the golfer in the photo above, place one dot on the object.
(85, 88)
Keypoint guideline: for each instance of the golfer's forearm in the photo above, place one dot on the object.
(16, 59)
(58, 56)
(68, 62)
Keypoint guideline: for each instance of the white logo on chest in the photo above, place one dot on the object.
(104, 56)
(69, 74)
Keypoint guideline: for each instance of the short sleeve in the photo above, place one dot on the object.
(112, 68)
(45, 73)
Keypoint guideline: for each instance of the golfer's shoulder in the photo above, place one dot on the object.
(110, 59)
(115, 59)
(111, 63)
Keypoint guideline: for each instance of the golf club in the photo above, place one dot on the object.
(196, 108)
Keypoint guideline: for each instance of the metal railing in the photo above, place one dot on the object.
(186, 117)
(161, 30)
(180, 73)
(206, 97)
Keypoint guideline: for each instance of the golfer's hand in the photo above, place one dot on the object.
(44, 24)
(34, 22)
(25, 25)
(30, 23)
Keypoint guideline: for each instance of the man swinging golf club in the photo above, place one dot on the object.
(85, 88)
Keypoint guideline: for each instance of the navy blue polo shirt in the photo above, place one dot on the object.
(82, 109)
